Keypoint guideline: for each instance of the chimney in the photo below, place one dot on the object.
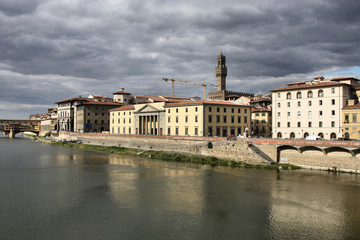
(351, 102)
(122, 89)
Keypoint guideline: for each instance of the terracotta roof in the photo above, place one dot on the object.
(343, 78)
(306, 86)
(75, 99)
(102, 103)
(261, 100)
(175, 97)
(212, 102)
(122, 92)
(127, 107)
(261, 110)
(357, 105)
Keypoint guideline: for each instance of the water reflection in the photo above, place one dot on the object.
(62, 193)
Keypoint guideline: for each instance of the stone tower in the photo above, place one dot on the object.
(221, 72)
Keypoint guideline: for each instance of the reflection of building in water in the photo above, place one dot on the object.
(310, 208)
(150, 185)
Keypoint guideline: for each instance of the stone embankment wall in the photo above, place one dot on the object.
(231, 150)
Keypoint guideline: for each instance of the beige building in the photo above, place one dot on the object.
(184, 118)
(311, 108)
(350, 123)
(261, 122)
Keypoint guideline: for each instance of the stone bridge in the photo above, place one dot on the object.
(11, 126)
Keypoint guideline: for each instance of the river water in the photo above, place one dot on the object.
(50, 192)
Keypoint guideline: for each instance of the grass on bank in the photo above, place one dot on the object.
(172, 156)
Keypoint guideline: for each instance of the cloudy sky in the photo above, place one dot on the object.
(55, 49)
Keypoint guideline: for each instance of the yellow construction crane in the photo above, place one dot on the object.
(188, 82)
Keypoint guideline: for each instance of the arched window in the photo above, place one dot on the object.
(321, 135)
(292, 135)
(306, 134)
(321, 93)
(288, 96)
(298, 95)
(310, 94)
(333, 136)
(279, 135)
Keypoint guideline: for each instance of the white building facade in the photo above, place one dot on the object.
(310, 108)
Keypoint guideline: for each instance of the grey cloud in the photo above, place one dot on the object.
(18, 7)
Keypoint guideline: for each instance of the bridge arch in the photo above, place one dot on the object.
(311, 150)
(338, 151)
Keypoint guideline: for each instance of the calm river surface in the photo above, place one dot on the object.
(52, 192)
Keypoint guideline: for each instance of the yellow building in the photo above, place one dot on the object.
(185, 118)
(350, 124)
(261, 122)
(207, 118)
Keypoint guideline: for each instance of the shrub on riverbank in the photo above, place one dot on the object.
(172, 156)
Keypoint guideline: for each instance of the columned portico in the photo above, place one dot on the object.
(148, 124)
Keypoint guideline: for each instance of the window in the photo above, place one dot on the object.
(278, 114)
(112, 130)
(232, 119)
(288, 96)
(298, 95)
(354, 117)
(320, 124)
(288, 104)
(263, 114)
(299, 104)
(186, 131)
(321, 93)
(196, 131)
(177, 131)
(118, 120)
(309, 124)
(278, 104)
(332, 124)
(196, 109)
(177, 110)
(95, 114)
(177, 119)
(333, 90)
(346, 120)
(310, 103)
(278, 95)
(218, 109)
(186, 118)
(320, 114)
(257, 114)
(332, 101)
(299, 114)
(245, 110)
(118, 129)
(186, 109)
(169, 131)
(232, 110)
(217, 118)
(217, 131)
(169, 119)
(210, 109)
(310, 94)
(239, 119)
(332, 113)
(224, 110)
(210, 133)
(210, 118)
(278, 124)
(299, 124)
(168, 110)
(113, 121)
(320, 102)
(310, 114)
(239, 110)
(129, 130)
(245, 119)
(224, 118)
(288, 124)
(196, 118)
(95, 121)
(288, 114)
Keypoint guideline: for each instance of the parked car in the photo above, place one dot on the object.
(313, 138)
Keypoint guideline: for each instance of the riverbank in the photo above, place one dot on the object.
(168, 156)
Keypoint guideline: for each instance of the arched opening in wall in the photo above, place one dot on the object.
(287, 153)
(356, 152)
(306, 134)
(310, 94)
(321, 93)
(288, 96)
(68, 125)
(321, 135)
(311, 150)
(338, 151)
(333, 136)
(279, 135)
(298, 95)
(292, 135)
(346, 135)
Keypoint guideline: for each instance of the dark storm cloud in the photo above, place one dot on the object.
(51, 50)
